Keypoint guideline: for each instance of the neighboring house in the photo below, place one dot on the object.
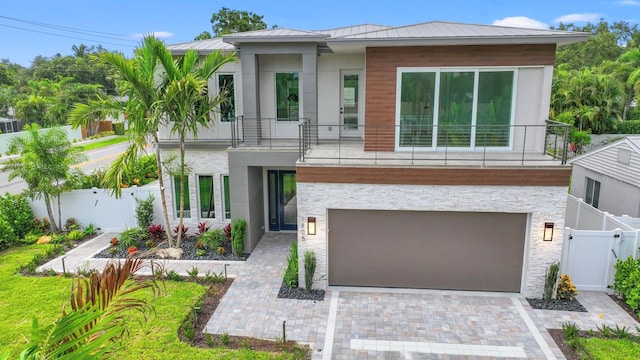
(608, 179)
(411, 156)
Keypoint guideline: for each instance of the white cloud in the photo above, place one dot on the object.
(158, 34)
(574, 18)
(629, 3)
(520, 22)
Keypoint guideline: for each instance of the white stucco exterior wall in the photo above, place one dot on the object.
(543, 204)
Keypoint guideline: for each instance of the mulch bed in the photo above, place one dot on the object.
(299, 293)
(188, 246)
(556, 304)
(209, 304)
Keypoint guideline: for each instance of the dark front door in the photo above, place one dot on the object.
(283, 207)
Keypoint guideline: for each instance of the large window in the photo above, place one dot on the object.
(205, 194)
(226, 88)
(592, 194)
(176, 196)
(226, 197)
(455, 108)
(287, 96)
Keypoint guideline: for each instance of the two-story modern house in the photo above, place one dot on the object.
(417, 156)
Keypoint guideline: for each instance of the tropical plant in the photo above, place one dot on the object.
(144, 211)
(238, 233)
(551, 278)
(566, 289)
(17, 212)
(156, 231)
(186, 103)
(138, 80)
(44, 163)
(291, 272)
(100, 307)
(309, 269)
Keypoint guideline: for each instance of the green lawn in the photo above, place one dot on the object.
(103, 143)
(26, 297)
(619, 349)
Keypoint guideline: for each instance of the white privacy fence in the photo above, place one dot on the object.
(5, 139)
(104, 211)
(593, 242)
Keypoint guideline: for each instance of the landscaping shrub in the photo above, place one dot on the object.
(156, 231)
(212, 238)
(309, 269)
(132, 237)
(17, 212)
(118, 128)
(551, 278)
(566, 289)
(291, 272)
(238, 234)
(42, 225)
(7, 237)
(627, 281)
(144, 211)
(71, 224)
(628, 127)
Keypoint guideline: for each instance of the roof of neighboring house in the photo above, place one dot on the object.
(606, 160)
(428, 33)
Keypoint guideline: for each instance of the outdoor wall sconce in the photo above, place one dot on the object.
(548, 231)
(311, 225)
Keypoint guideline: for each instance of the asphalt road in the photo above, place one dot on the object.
(96, 158)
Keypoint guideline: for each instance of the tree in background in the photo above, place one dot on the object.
(227, 21)
(45, 161)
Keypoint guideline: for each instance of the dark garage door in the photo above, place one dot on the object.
(430, 250)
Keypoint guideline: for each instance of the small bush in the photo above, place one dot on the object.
(90, 230)
(30, 238)
(571, 330)
(309, 269)
(75, 235)
(177, 228)
(291, 272)
(551, 278)
(566, 289)
(201, 252)
(203, 227)
(132, 237)
(193, 273)
(173, 276)
(627, 281)
(211, 278)
(118, 128)
(17, 212)
(42, 225)
(628, 127)
(227, 231)
(7, 237)
(144, 211)
(156, 231)
(238, 234)
(225, 339)
(71, 224)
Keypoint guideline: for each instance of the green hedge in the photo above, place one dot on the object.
(628, 127)
(118, 128)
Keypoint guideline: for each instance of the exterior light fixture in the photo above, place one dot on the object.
(548, 231)
(311, 225)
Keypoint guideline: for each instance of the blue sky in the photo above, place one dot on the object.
(26, 26)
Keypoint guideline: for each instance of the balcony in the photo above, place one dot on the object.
(408, 144)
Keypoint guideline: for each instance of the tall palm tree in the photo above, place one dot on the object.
(186, 103)
(139, 79)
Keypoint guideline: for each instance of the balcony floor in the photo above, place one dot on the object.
(351, 152)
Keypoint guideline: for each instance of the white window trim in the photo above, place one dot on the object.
(213, 185)
(176, 198)
(222, 197)
(235, 96)
(436, 100)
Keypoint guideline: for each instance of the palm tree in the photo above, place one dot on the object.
(139, 80)
(186, 103)
(46, 157)
(100, 307)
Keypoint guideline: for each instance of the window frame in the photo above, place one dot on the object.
(212, 197)
(275, 84)
(176, 198)
(235, 99)
(436, 104)
(592, 196)
(226, 208)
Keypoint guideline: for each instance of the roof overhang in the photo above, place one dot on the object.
(232, 39)
(459, 40)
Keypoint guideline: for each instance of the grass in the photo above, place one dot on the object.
(42, 297)
(619, 349)
(103, 143)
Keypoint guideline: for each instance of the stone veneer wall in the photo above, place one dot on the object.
(212, 162)
(543, 204)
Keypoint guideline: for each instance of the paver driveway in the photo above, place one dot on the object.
(362, 323)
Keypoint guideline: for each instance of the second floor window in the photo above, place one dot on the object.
(287, 96)
(226, 86)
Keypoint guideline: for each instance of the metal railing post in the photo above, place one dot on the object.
(565, 145)
(524, 144)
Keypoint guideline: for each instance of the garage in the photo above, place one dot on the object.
(481, 251)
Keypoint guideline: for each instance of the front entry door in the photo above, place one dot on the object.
(350, 104)
(283, 206)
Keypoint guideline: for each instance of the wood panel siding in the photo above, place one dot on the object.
(435, 176)
(381, 74)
